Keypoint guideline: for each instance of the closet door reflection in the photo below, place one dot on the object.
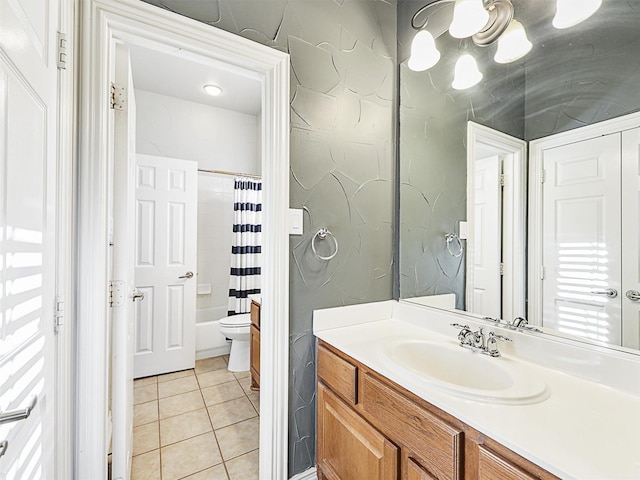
(591, 238)
(630, 238)
(581, 242)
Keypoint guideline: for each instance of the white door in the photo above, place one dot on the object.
(487, 238)
(165, 264)
(28, 149)
(631, 238)
(581, 242)
(123, 311)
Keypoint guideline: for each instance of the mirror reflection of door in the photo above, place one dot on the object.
(496, 192)
(583, 275)
(487, 258)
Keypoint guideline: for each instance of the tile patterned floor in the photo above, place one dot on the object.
(199, 424)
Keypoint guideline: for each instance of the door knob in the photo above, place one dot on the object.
(3, 447)
(608, 292)
(633, 295)
(21, 414)
(137, 295)
(187, 275)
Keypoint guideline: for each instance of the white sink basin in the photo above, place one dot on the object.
(463, 372)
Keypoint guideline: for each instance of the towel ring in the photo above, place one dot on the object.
(322, 234)
(452, 237)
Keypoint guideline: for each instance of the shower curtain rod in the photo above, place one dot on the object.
(235, 174)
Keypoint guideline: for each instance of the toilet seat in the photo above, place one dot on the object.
(240, 320)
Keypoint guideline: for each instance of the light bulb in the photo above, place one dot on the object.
(212, 90)
(469, 16)
(424, 53)
(513, 43)
(572, 12)
(466, 73)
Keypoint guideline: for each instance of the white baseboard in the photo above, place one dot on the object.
(212, 352)
(307, 475)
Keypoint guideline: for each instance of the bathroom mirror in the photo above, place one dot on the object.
(571, 78)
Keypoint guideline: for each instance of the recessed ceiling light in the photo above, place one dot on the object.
(212, 90)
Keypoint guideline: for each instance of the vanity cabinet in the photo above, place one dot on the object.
(348, 446)
(371, 428)
(254, 346)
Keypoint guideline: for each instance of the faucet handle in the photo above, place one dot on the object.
(519, 322)
(457, 325)
(464, 334)
(492, 344)
(499, 337)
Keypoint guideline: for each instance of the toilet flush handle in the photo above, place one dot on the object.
(187, 275)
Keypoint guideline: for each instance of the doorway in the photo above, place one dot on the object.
(122, 21)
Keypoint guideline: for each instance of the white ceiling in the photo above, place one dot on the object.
(175, 76)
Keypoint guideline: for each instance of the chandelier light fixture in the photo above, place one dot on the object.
(466, 73)
(469, 16)
(486, 22)
(572, 12)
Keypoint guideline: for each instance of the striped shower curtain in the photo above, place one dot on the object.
(247, 244)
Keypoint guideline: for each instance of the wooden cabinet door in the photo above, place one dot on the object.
(349, 448)
(254, 357)
(491, 466)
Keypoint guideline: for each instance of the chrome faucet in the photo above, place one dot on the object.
(465, 336)
(492, 344)
(476, 340)
(521, 323)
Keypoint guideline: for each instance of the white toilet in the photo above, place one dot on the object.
(237, 329)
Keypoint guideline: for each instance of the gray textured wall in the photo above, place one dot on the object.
(582, 75)
(343, 90)
(571, 78)
(433, 158)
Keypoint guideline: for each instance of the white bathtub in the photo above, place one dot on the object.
(209, 341)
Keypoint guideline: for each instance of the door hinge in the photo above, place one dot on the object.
(501, 268)
(541, 272)
(118, 97)
(116, 293)
(58, 314)
(543, 175)
(502, 180)
(62, 51)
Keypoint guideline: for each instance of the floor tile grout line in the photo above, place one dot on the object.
(246, 394)
(242, 454)
(224, 465)
(159, 439)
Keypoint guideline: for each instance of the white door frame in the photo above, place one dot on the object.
(66, 237)
(103, 22)
(514, 221)
(536, 149)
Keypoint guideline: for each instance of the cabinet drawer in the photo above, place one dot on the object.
(437, 443)
(349, 448)
(338, 374)
(491, 466)
(255, 314)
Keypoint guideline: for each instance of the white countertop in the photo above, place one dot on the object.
(255, 298)
(584, 430)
